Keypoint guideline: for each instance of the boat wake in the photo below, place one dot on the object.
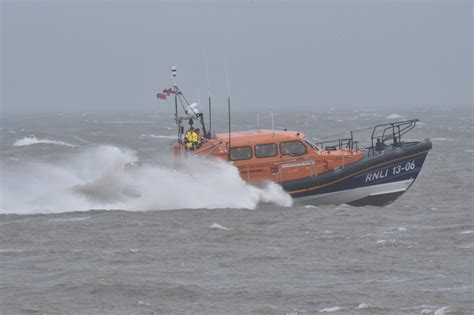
(97, 179)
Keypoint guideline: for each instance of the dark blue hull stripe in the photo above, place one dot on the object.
(397, 165)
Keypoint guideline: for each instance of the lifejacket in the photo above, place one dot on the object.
(191, 139)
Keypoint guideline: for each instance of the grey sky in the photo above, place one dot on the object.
(115, 55)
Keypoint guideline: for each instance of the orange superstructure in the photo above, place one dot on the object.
(278, 156)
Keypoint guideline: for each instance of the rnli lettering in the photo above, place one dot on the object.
(394, 170)
(377, 175)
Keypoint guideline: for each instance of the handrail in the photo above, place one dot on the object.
(390, 131)
(332, 145)
(382, 132)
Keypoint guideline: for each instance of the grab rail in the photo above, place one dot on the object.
(380, 134)
(391, 131)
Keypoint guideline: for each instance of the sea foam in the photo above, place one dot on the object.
(97, 179)
(331, 309)
(217, 226)
(394, 116)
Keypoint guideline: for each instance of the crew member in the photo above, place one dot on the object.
(191, 139)
(378, 145)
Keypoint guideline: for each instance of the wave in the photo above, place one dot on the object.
(442, 139)
(395, 116)
(367, 306)
(33, 140)
(331, 309)
(122, 122)
(172, 137)
(69, 219)
(369, 115)
(97, 179)
(219, 227)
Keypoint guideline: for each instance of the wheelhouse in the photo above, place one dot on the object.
(267, 155)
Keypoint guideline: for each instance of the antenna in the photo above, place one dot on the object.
(228, 105)
(227, 77)
(173, 72)
(273, 124)
(208, 92)
(258, 122)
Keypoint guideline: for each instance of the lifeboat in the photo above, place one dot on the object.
(334, 171)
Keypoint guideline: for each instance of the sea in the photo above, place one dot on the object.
(79, 234)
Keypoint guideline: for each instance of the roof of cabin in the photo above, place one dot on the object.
(260, 135)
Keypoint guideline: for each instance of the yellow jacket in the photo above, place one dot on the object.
(191, 138)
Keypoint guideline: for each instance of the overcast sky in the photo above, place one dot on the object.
(115, 55)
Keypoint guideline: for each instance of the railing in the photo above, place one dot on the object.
(339, 144)
(380, 134)
(391, 131)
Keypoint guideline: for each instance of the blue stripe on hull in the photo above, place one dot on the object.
(399, 170)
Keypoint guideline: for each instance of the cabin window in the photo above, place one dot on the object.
(240, 153)
(293, 148)
(265, 150)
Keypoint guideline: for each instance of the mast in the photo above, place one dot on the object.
(210, 117)
(208, 93)
(178, 122)
(228, 111)
(228, 106)
(190, 110)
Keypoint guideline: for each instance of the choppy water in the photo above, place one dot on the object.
(237, 253)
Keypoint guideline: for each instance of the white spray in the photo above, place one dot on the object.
(97, 179)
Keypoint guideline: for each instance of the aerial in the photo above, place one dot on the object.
(236, 157)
